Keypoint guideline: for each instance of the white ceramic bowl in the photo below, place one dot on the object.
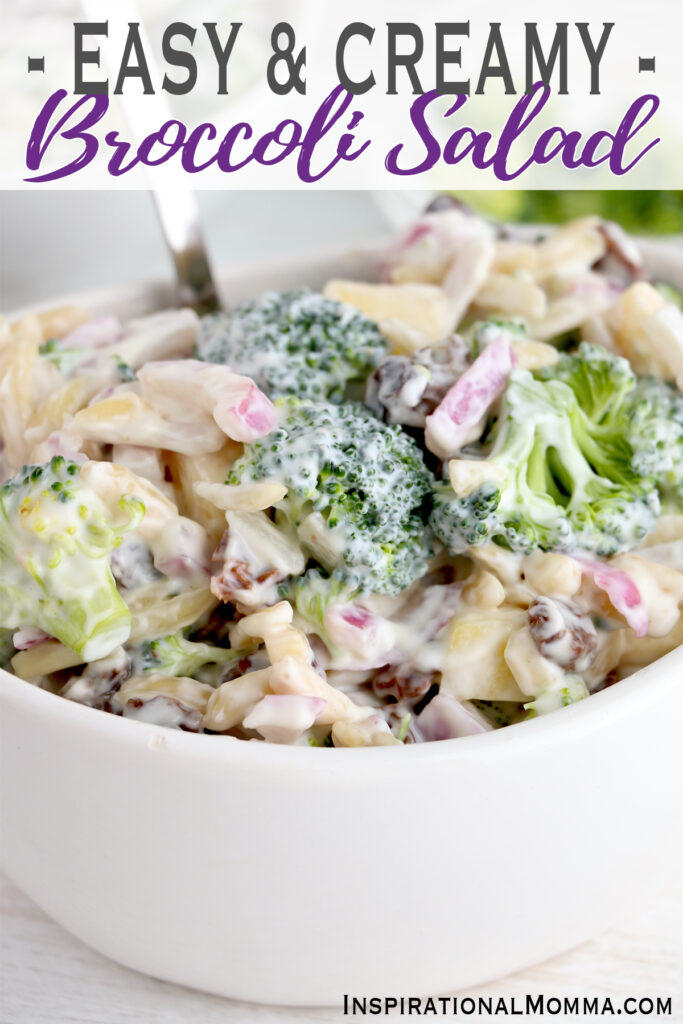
(292, 875)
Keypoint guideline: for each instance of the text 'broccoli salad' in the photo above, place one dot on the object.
(414, 508)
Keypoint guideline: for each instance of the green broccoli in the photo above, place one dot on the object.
(124, 372)
(70, 361)
(482, 332)
(56, 537)
(66, 360)
(176, 656)
(499, 712)
(556, 697)
(297, 343)
(356, 492)
(602, 382)
(656, 435)
(312, 595)
(404, 726)
(326, 740)
(7, 650)
(648, 410)
(562, 448)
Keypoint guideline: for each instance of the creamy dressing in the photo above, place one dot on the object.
(132, 563)
(406, 390)
(56, 575)
(566, 691)
(437, 659)
(330, 444)
(563, 634)
(162, 710)
(295, 343)
(256, 557)
(99, 680)
(669, 554)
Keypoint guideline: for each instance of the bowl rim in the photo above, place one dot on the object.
(630, 695)
(666, 250)
(163, 288)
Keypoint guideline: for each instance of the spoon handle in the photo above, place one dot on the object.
(180, 221)
(176, 205)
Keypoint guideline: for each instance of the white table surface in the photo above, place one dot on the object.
(48, 977)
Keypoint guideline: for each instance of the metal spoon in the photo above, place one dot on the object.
(176, 205)
(180, 221)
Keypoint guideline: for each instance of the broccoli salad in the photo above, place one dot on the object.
(415, 508)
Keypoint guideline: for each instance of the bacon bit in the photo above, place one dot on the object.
(237, 577)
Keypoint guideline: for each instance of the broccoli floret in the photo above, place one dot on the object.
(565, 464)
(70, 361)
(56, 538)
(326, 741)
(66, 360)
(176, 656)
(124, 371)
(482, 332)
(296, 343)
(602, 382)
(356, 491)
(499, 712)
(556, 697)
(656, 434)
(312, 595)
(649, 411)
(7, 650)
(404, 727)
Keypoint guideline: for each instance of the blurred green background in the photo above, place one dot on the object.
(644, 212)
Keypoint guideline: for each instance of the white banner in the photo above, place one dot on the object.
(293, 94)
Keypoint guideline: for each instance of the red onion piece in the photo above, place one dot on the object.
(622, 592)
(449, 426)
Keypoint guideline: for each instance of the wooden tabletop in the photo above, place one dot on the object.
(48, 977)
